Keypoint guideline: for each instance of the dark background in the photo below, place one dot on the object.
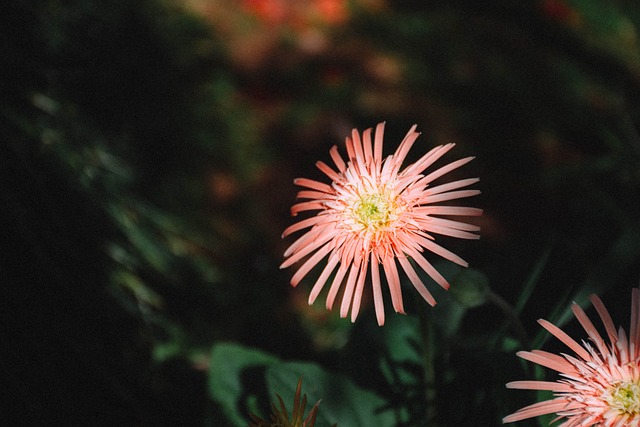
(147, 156)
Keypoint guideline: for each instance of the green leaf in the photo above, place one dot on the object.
(227, 364)
(401, 335)
(341, 401)
(470, 288)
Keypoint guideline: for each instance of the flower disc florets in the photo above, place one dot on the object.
(624, 397)
(373, 211)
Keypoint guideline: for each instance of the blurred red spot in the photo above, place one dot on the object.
(560, 11)
(270, 11)
(332, 11)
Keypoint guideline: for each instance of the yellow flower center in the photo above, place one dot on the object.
(624, 397)
(374, 210)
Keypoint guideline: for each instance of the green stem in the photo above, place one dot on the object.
(428, 364)
(513, 320)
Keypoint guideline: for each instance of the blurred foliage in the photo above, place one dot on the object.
(148, 150)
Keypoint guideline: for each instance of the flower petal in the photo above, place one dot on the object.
(377, 290)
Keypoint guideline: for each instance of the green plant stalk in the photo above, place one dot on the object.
(428, 364)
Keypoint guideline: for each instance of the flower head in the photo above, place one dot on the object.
(600, 384)
(373, 214)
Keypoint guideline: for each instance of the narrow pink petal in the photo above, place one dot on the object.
(448, 196)
(335, 285)
(308, 222)
(328, 269)
(589, 327)
(346, 258)
(337, 159)
(312, 246)
(306, 206)
(407, 143)
(622, 346)
(622, 421)
(351, 154)
(406, 185)
(333, 175)
(393, 280)
(548, 360)
(449, 210)
(316, 185)
(555, 386)
(359, 158)
(444, 253)
(537, 409)
(404, 147)
(317, 195)
(450, 223)
(427, 267)
(446, 231)
(387, 169)
(347, 298)
(310, 263)
(427, 160)
(377, 148)
(445, 169)
(566, 339)
(366, 144)
(304, 240)
(454, 185)
(415, 280)
(377, 290)
(607, 321)
(357, 297)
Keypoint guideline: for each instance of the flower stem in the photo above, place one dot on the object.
(513, 320)
(429, 373)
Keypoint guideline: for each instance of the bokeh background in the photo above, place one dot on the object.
(148, 151)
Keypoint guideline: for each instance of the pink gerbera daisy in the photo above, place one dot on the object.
(373, 214)
(600, 384)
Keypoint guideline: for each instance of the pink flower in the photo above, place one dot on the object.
(600, 384)
(373, 214)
